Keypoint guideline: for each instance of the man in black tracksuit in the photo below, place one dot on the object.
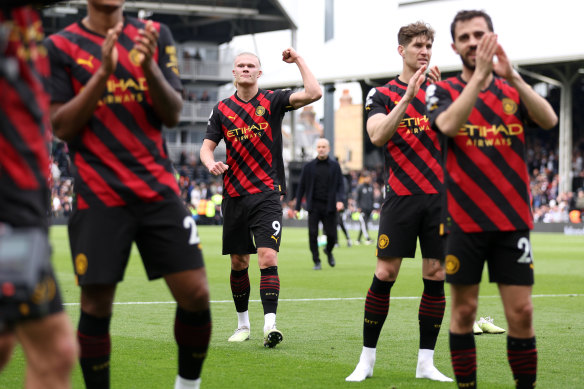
(321, 181)
(365, 206)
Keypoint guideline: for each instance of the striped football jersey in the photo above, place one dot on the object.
(412, 155)
(487, 183)
(24, 119)
(252, 132)
(120, 156)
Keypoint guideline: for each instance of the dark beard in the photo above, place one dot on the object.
(467, 64)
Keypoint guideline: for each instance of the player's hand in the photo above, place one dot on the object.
(434, 74)
(340, 206)
(146, 43)
(415, 83)
(485, 53)
(109, 52)
(218, 168)
(503, 66)
(289, 55)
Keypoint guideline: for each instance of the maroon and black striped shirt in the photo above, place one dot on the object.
(487, 183)
(412, 155)
(252, 132)
(120, 156)
(24, 119)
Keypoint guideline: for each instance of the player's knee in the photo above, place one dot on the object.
(387, 269)
(464, 314)
(57, 364)
(197, 298)
(239, 262)
(66, 353)
(522, 315)
(267, 258)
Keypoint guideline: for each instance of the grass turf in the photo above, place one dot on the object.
(320, 314)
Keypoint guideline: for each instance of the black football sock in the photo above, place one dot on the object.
(464, 359)
(240, 289)
(431, 312)
(376, 309)
(95, 349)
(269, 289)
(192, 332)
(522, 356)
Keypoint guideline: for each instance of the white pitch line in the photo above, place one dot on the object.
(323, 299)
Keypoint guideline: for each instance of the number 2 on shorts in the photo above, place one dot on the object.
(189, 222)
(523, 244)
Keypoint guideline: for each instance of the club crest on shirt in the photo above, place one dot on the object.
(135, 57)
(509, 106)
(260, 111)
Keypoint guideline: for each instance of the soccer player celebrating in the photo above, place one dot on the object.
(31, 310)
(114, 83)
(411, 210)
(484, 116)
(250, 123)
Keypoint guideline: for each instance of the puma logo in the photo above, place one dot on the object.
(87, 62)
(276, 239)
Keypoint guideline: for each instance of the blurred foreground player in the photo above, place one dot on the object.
(114, 83)
(31, 310)
(250, 123)
(484, 113)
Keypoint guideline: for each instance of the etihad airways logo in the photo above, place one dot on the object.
(487, 136)
(125, 91)
(253, 131)
(415, 125)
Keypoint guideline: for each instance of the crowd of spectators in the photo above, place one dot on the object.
(202, 191)
(62, 181)
(549, 204)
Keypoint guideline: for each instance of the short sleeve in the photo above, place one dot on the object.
(214, 127)
(438, 99)
(281, 98)
(167, 59)
(376, 102)
(59, 84)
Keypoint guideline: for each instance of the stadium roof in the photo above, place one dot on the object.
(540, 36)
(216, 21)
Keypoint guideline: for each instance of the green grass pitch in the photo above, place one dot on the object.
(320, 314)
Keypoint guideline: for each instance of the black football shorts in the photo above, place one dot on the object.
(252, 218)
(45, 300)
(101, 239)
(507, 253)
(403, 220)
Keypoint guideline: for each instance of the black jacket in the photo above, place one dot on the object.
(306, 185)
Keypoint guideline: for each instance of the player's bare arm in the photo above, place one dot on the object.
(70, 117)
(539, 109)
(166, 101)
(215, 167)
(312, 91)
(451, 120)
(382, 127)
